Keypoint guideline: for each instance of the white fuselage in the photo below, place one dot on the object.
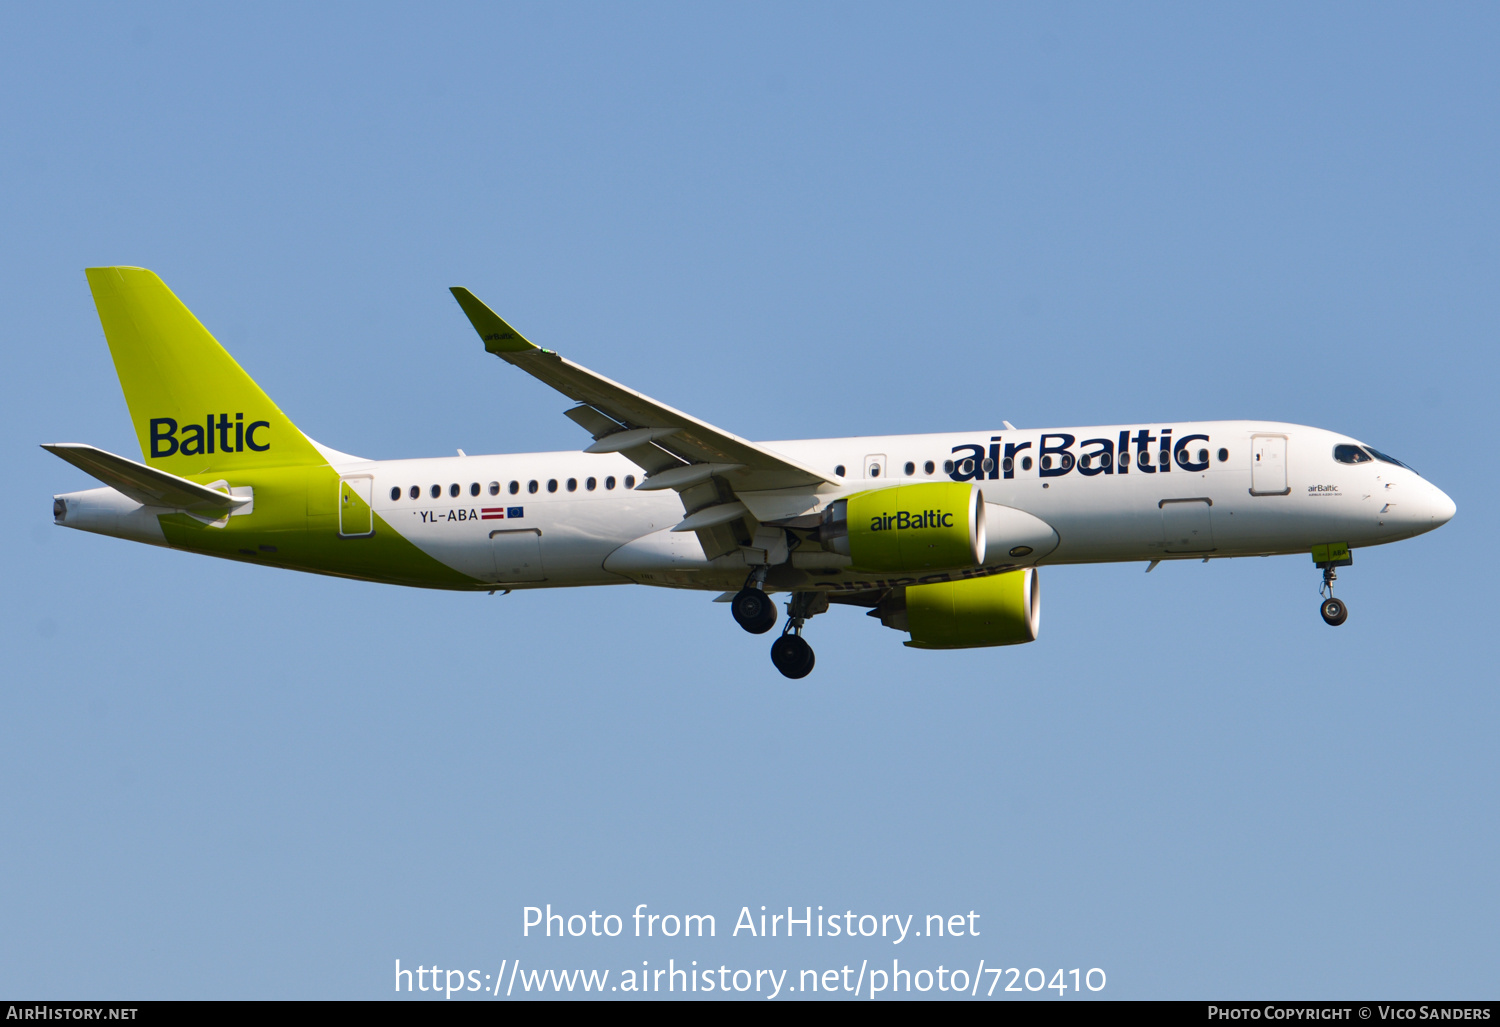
(1265, 488)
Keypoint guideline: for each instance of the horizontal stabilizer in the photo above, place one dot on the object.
(145, 485)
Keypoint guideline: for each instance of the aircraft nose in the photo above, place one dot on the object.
(1440, 507)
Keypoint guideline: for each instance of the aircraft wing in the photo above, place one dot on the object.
(707, 465)
(146, 485)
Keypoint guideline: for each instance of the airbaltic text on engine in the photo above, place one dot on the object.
(903, 520)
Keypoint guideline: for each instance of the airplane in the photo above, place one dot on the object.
(938, 536)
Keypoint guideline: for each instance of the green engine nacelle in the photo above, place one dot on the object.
(1002, 609)
(931, 526)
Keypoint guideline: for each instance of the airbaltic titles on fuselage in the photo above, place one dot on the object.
(1055, 456)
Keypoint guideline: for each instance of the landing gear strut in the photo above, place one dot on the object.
(790, 653)
(1333, 610)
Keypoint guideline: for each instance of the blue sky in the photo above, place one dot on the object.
(792, 221)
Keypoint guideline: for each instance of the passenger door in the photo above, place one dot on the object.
(356, 515)
(1268, 465)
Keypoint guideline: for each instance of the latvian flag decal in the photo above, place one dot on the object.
(492, 513)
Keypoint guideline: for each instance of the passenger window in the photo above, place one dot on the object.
(929, 467)
(395, 493)
(591, 484)
(1026, 463)
(551, 484)
(839, 470)
(515, 487)
(988, 465)
(1347, 454)
(630, 481)
(1008, 464)
(1203, 457)
(474, 488)
(532, 486)
(572, 484)
(947, 466)
(1083, 462)
(1046, 463)
(416, 492)
(609, 482)
(1223, 455)
(911, 468)
(494, 488)
(437, 491)
(453, 490)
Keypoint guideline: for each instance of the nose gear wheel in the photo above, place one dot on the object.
(1334, 611)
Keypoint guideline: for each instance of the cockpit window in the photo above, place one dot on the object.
(1346, 454)
(1378, 455)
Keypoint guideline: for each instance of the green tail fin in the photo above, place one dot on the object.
(195, 410)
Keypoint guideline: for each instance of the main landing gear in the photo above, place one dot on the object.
(790, 653)
(1333, 610)
(755, 612)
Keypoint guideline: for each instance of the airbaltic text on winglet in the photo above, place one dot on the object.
(196, 439)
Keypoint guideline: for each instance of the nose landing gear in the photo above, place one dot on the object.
(1334, 611)
(790, 653)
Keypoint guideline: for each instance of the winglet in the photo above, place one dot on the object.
(498, 336)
